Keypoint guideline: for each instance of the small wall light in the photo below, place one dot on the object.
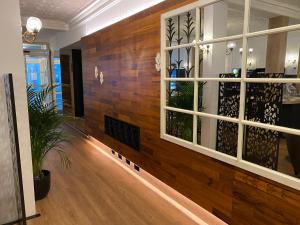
(251, 59)
(98, 75)
(157, 62)
(33, 27)
(250, 50)
(291, 64)
(205, 49)
(230, 46)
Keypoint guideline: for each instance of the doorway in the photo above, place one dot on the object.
(72, 83)
(40, 73)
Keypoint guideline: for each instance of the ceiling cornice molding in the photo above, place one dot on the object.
(274, 6)
(279, 8)
(50, 24)
(91, 11)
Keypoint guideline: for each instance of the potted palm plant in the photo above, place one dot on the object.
(46, 136)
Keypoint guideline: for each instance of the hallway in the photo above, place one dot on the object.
(96, 191)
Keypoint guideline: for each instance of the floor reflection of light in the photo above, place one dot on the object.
(179, 201)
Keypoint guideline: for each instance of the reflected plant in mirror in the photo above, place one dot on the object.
(181, 95)
(180, 125)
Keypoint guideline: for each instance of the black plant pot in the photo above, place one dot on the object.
(42, 185)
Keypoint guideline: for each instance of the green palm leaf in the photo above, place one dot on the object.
(45, 132)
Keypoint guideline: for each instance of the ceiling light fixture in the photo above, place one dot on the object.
(33, 27)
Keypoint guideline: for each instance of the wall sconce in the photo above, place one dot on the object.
(250, 50)
(98, 75)
(251, 59)
(230, 46)
(33, 27)
(205, 49)
(157, 62)
(291, 64)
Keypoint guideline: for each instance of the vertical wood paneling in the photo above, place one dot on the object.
(125, 52)
(66, 80)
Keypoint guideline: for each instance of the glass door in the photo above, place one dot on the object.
(37, 61)
(39, 71)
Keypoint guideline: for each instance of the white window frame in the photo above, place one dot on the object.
(236, 161)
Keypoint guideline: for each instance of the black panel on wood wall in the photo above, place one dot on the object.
(78, 83)
(124, 132)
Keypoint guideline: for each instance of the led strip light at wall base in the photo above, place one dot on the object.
(180, 202)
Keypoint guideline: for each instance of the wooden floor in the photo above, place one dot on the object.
(97, 191)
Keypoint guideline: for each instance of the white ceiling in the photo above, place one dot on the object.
(65, 10)
(60, 15)
(60, 10)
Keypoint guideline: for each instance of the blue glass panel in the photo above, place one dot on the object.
(33, 75)
(59, 105)
(173, 84)
(57, 81)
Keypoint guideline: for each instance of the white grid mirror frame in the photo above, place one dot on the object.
(243, 80)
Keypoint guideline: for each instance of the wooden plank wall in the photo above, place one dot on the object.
(66, 80)
(125, 53)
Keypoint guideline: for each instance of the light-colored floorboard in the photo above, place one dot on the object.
(97, 191)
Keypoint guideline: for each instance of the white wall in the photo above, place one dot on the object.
(258, 57)
(259, 45)
(12, 61)
(292, 52)
(213, 64)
